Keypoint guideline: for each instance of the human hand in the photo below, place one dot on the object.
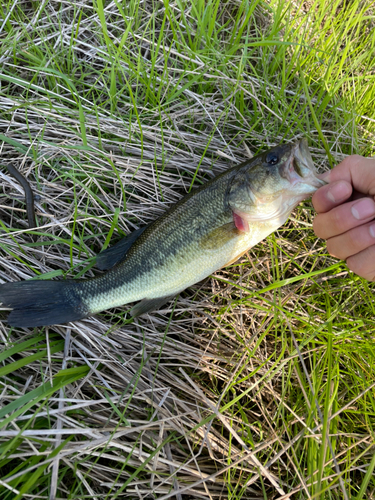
(346, 212)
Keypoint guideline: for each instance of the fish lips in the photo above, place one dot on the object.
(300, 171)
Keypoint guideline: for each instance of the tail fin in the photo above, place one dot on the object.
(42, 303)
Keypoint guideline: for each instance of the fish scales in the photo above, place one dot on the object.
(170, 255)
(206, 230)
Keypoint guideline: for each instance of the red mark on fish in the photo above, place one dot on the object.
(240, 223)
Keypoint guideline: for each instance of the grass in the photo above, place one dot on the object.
(257, 382)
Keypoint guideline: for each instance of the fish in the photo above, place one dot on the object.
(206, 230)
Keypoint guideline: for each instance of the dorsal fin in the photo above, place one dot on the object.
(113, 255)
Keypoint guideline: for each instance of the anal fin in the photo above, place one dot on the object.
(148, 305)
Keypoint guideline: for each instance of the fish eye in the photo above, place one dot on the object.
(272, 158)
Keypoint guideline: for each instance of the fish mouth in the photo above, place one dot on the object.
(300, 168)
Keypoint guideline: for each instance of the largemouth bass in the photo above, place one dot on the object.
(206, 230)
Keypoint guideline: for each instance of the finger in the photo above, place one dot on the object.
(344, 217)
(352, 242)
(363, 263)
(358, 171)
(331, 195)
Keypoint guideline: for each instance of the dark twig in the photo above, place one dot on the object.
(29, 196)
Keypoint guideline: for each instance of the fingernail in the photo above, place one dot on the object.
(372, 230)
(339, 191)
(325, 176)
(363, 209)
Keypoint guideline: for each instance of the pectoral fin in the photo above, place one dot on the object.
(113, 255)
(218, 237)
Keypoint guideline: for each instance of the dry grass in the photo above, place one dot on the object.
(257, 382)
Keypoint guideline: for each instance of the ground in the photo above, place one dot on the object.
(257, 382)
